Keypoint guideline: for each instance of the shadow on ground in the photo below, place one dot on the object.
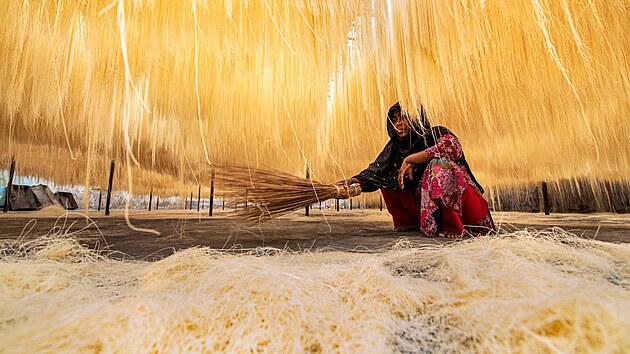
(346, 230)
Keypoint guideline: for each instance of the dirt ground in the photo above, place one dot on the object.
(348, 230)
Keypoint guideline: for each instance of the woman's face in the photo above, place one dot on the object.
(401, 124)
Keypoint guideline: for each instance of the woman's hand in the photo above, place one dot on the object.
(405, 170)
(347, 182)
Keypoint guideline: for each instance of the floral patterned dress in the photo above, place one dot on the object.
(443, 184)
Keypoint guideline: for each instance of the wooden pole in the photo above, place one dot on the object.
(611, 205)
(150, 199)
(308, 176)
(199, 198)
(9, 186)
(380, 206)
(223, 206)
(337, 204)
(109, 188)
(157, 203)
(546, 205)
(100, 198)
(212, 194)
(350, 203)
(190, 205)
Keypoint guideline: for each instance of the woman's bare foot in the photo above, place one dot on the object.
(448, 234)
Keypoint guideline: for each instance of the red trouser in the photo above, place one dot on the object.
(403, 206)
(474, 208)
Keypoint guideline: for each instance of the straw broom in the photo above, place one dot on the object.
(262, 194)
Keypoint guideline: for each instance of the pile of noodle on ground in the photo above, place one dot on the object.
(519, 292)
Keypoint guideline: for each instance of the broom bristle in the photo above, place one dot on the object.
(259, 194)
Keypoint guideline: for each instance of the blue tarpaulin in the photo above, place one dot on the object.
(3, 195)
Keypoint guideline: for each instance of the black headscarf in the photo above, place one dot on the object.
(383, 172)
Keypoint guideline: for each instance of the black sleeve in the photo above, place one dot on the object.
(366, 186)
